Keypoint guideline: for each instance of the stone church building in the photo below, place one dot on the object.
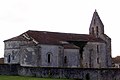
(55, 49)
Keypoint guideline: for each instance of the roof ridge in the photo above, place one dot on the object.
(56, 32)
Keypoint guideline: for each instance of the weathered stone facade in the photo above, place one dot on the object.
(94, 55)
(38, 56)
(51, 49)
(12, 51)
(73, 58)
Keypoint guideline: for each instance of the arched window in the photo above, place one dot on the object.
(8, 59)
(48, 58)
(97, 30)
(65, 59)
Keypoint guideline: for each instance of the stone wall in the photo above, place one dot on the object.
(28, 56)
(37, 56)
(76, 73)
(11, 51)
(6, 69)
(54, 72)
(53, 51)
(72, 58)
(94, 55)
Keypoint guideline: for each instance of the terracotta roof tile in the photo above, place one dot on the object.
(45, 37)
(116, 59)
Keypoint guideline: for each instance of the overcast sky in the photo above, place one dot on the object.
(73, 16)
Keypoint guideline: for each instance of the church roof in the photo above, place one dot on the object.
(116, 59)
(45, 37)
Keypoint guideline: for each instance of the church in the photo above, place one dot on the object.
(55, 49)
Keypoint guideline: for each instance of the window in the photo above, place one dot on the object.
(8, 59)
(65, 59)
(97, 49)
(48, 58)
(97, 30)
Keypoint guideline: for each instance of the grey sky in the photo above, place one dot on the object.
(73, 16)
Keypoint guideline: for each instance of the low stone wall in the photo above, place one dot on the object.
(6, 69)
(77, 73)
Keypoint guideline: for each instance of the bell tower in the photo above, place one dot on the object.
(96, 27)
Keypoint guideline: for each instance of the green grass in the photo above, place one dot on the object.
(2, 77)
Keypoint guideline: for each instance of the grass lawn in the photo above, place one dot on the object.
(2, 77)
